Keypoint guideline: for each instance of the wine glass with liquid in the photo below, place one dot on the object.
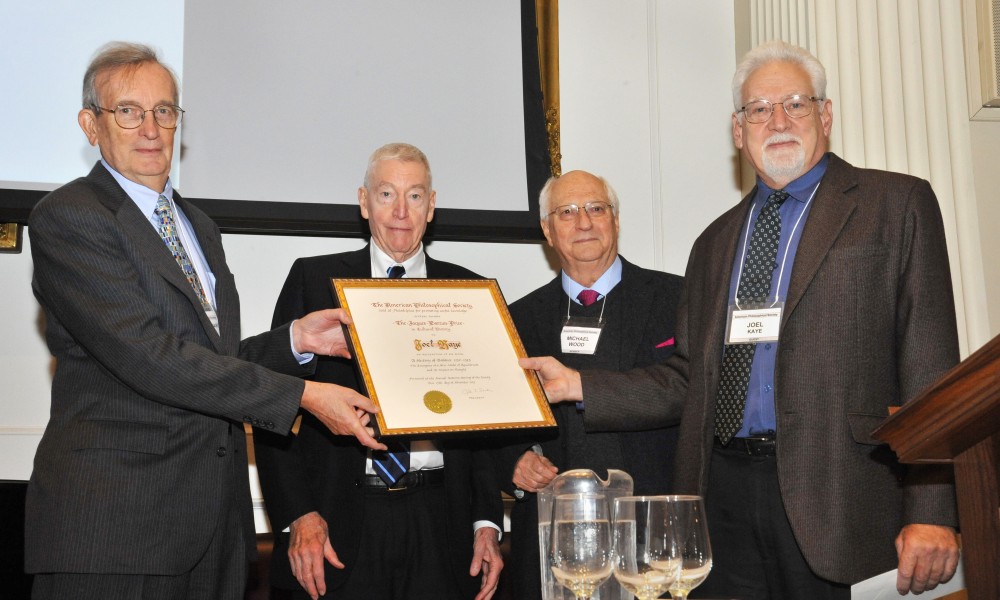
(580, 547)
(686, 516)
(646, 553)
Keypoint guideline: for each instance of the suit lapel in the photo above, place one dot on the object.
(142, 233)
(357, 263)
(830, 211)
(227, 299)
(719, 268)
(550, 303)
(636, 290)
(138, 227)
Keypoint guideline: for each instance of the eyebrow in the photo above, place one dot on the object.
(132, 102)
(785, 97)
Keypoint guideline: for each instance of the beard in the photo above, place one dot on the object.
(786, 164)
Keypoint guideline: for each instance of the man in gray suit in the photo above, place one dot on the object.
(847, 271)
(140, 486)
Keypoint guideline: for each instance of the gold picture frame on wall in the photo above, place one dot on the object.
(10, 237)
(547, 18)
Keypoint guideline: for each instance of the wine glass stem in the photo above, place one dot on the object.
(679, 595)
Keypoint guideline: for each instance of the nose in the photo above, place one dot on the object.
(779, 118)
(148, 128)
(400, 208)
(583, 220)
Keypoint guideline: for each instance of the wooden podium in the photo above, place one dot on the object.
(957, 420)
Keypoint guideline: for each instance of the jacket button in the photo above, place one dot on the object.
(221, 451)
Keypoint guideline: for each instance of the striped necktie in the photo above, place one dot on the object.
(754, 286)
(168, 231)
(390, 465)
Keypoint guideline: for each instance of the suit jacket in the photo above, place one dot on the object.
(318, 471)
(868, 323)
(649, 299)
(144, 450)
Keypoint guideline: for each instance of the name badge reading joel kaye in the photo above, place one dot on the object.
(578, 338)
(752, 325)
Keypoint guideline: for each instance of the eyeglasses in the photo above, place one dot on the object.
(796, 107)
(130, 116)
(594, 210)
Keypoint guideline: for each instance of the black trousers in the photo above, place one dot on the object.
(404, 552)
(754, 552)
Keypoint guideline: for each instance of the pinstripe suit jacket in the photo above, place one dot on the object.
(868, 323)
(145, 445)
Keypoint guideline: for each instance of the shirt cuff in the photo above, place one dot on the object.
(480, 524)
(300, 358)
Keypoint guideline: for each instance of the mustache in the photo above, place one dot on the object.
(782, 137)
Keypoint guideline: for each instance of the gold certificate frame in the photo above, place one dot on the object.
(440, 356)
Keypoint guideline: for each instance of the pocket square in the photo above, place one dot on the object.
(669, 342)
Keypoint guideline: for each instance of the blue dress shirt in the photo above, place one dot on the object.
(758, 416)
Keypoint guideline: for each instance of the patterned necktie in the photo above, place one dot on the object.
(587, 297)
(393, 463)
(754, 286)
(168, 231)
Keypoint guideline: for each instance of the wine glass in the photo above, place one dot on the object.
(580, 548)
(646, 552)
(686, 515)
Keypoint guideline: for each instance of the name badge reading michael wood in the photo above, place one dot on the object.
(580, 339)
(753, 325)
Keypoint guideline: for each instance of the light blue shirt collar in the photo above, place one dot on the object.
(416, 265)
(603, 286)
(144, 197)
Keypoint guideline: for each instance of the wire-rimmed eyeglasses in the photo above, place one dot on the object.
(796, 107)
(594, 210)
(130, 116)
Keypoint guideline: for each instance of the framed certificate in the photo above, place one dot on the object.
(440, 356)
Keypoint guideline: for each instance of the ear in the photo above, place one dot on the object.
(88, 123)
(430, 205)
(826, 117)
(737, 132)
(363, 201)
(545, 231)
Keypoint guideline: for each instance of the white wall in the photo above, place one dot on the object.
(623, 66)
(985, 155)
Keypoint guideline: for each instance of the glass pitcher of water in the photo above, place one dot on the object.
(619, 483)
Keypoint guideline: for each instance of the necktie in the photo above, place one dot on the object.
(393, 463)
(587, 297)
(754, 286)
(168, 231)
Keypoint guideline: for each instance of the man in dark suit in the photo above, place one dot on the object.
(850, 272)
(340, 528)
(140, 486)
(620, 316)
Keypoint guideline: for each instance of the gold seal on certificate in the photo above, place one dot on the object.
(440, 356)
(437, 401)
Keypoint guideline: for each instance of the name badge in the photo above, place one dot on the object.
(752, 325)
(580, 338)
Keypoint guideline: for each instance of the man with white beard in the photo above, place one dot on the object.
(809, 309)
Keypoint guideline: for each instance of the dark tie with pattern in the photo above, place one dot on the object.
(754, 286)
(392, 464)
(168, 231)
(587, 297)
